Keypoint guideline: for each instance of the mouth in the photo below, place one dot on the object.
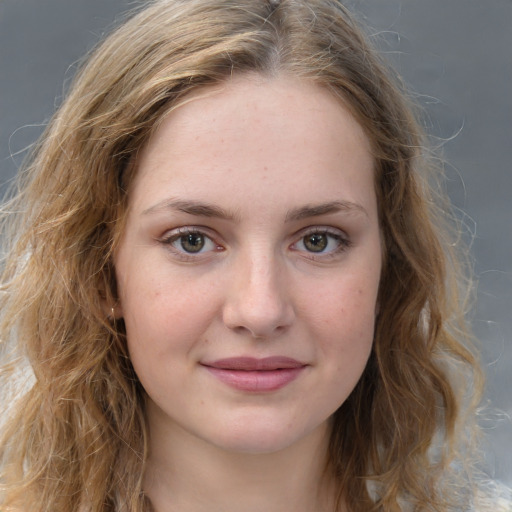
(256, 375)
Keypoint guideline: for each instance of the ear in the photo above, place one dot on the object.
(117, 310)
(110, 304)
(112, 308)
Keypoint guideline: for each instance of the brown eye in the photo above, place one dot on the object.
(320, 243)
(316, 242)
(192, 242)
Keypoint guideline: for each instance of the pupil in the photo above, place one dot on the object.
(193, 242)
(316, 242)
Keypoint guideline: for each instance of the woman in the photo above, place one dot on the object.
(231, 282)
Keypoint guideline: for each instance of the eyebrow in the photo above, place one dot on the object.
(201, 209)
(316, 210)
(196, 208)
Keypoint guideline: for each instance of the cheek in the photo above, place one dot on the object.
(344, 316)
(349, 300)
(165, 314)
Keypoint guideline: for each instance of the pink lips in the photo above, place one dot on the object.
(256, 375)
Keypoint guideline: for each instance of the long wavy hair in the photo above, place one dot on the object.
(74, 437)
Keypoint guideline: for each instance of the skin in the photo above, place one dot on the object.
(239, 168)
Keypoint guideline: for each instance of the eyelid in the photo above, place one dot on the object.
(329, 230)
(322, 229)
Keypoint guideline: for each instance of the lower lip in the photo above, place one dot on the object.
(258, 380)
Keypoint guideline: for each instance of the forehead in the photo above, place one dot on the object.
(250, 130)
(248, 100)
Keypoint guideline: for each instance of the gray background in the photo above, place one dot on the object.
(455, 54)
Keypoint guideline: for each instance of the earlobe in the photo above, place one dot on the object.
(116, 312)
(111, 311)
(110, 304)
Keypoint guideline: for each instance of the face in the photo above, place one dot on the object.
(249, 266)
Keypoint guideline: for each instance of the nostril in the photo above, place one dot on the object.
(259, 323)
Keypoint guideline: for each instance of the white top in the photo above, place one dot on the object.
(494, 497)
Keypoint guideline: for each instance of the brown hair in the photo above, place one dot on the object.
(76, 439)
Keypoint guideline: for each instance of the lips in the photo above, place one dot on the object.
(253, 364)
(256, 375)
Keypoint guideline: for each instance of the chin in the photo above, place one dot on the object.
(255, 445)
(266, 438)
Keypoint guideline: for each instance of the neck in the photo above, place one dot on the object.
(188, 474)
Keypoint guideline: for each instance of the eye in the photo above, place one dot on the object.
(322, 241)
(190, 241)
(193, 242)
(316, 242)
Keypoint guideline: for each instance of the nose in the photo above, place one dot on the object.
(258, 299)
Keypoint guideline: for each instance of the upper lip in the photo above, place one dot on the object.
(254, 364)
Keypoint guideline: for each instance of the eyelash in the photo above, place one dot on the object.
(342, 241)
